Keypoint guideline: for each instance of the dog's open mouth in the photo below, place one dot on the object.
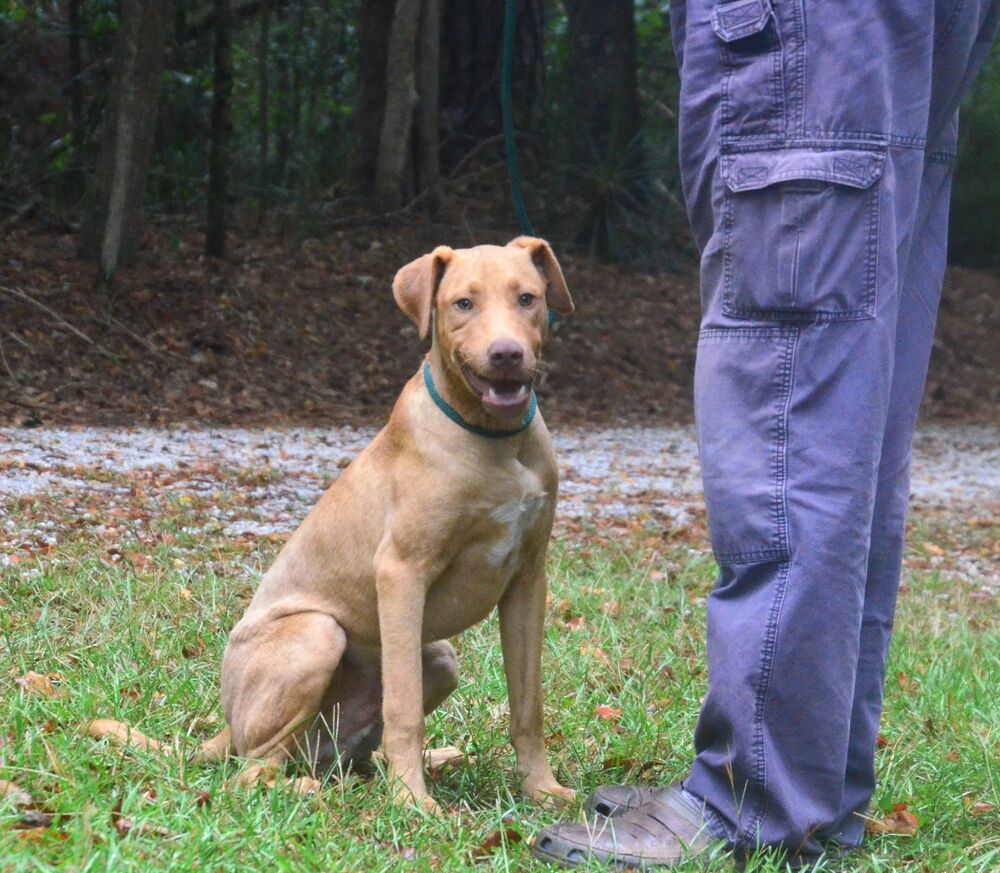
(506, 396)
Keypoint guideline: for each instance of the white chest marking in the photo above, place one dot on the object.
(515, 519)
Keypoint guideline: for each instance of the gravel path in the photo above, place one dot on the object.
(607, 474)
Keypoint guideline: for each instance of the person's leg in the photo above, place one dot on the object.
(805, 423)
(803, 147)
(957, 58)
(919, 299)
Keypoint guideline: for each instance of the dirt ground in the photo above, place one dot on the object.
(309, 335)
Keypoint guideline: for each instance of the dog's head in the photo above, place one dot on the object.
(488, 308)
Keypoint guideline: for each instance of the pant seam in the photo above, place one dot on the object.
(769, 645)
(950, 26)
(781, 443)
(797, 63)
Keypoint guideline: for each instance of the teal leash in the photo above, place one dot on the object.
(456, 417)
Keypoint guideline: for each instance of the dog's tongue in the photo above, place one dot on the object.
(506, 396)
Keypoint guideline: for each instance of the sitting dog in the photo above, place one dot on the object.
(444, 516)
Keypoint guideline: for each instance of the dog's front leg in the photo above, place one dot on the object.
(401, 593)
(522, 616)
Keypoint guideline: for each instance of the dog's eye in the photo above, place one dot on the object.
(526, 300)
(463, 303)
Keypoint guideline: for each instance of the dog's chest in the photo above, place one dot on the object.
(513, 520)
(500, 534)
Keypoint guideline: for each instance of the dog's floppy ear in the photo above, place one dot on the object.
(416, 283)
(556, 292)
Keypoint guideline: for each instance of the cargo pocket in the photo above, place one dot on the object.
(800, 233)
(743, 379)
(753, 98)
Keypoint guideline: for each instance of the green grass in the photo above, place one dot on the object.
(625, 629)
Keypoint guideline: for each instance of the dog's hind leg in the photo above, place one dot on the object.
(217, 748)
(349, 727)
(440, 666)
(275, 676)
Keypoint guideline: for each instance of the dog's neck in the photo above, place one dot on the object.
(457, 394)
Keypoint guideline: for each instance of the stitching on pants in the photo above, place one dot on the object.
(950, 26)
(708, 334)
(871, 252)
(769, 645)
(781, 442)
(735, 145)
(797, 65)
(759, 140)
(945, 158)
(778, 72)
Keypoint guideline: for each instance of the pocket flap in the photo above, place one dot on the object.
(733, 21)
(748, 171)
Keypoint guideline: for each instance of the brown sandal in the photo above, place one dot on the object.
(668, 829)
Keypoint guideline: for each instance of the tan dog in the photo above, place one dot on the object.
(431, 527)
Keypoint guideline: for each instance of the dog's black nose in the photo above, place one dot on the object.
(505, 354)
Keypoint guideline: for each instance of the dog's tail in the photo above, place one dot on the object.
(122, 735)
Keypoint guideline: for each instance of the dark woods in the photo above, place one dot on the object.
(319, 112)
(316, 114)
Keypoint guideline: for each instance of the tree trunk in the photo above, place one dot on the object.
(76, 96)
(218, 159)
(296, 56)
(263, 110)
(112, 234)
(400, 100)
(374, 18)
(602, 74)
(428, 112)
(471, 46)
(281, 110)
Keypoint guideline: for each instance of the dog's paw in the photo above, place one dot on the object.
(266, 775)
(306, 786)
(429, 806)
(423, 802)
(550, 794)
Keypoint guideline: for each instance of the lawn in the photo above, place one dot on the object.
(136, 632)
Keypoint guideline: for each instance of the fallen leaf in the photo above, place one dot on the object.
(495, 841)
(618, 762)
(38, 683)
(139, 560)
(881, 742)
(933, 549)
(35, 818)
(901, 822)
(977, 807)
(608, 713)
(126, 826)
(37, 834)
(589, 651)
(202, 798)
(13, 791)
(193, 650)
